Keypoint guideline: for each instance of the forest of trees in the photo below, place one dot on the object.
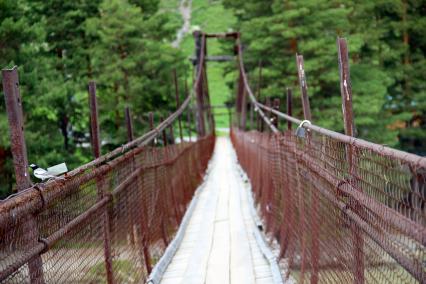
(125, 46)
(387, 52)
(59, 46)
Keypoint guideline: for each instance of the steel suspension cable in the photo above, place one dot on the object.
(260, 108)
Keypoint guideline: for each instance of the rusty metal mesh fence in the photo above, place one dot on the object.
(109, 223)
(338, 223)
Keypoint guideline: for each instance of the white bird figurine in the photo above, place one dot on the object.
(51, 172)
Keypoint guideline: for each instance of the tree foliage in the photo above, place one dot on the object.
(59, 46)
(386, 49)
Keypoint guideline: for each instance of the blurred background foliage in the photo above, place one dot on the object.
(387, 61)
(59, 46)
(125, 46)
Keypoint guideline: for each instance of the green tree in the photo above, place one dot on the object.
(384, 45)
(133, 63)
(69, 46)
(41, 85)
(59, 46)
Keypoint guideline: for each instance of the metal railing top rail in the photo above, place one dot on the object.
(404, 156)
(248, 89)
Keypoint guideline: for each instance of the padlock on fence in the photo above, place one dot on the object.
(301, 131)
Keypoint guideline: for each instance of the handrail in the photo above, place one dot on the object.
(366, 215)
(404, 156)
(143, 140)
(248, 89)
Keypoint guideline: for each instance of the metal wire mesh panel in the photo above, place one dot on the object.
(341, 213)
(110, 223)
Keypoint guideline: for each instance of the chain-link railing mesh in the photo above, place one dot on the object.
(341, 213)
(111, 223)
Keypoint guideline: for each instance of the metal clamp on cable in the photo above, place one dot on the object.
(45, 242)
(39, 188)
(301, 131)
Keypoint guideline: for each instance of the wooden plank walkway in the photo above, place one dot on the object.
(219, 244)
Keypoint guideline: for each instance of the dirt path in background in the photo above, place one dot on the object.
(185, 11)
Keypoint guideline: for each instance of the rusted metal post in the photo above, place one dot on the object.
(289, 106)
(16, 127)
(188, 114)
(259, 87)
(96, 148)
(307, 116)
(268, 104)
(151, 125)
(146, 255)
(345, 89)
(240, 90)
(164, 134)
(167, 156)
(129, 124)
(243, 110)
(277, 108)
(267, 113)
(251, 115)
(303, 87)
(188, 117)
(201, 131)
(94, 125)
(194, 114)
(205, 94)
(164, 218)
(134, 234)
(146, 241)
(239, 101)
(20, 163)
(212, 129)
(172, 135)
(348, 118)
(314, 199)
(178, 103)
(151, 120)
(199, 37)
(258, 122)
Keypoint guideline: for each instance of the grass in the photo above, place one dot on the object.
(124, 270)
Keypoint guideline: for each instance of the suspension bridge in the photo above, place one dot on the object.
(273, 203)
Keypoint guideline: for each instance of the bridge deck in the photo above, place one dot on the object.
(219, 245)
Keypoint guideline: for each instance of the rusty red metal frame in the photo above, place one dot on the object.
(289, 106)
(175, 80)
(99, 206)
(380, 215)
(348, 118)
(407, 157)
(145, 139)
(129, 124)
(100, 184)
(33, 199)
(20, 162)
(359, 199)
(303, 87)
(384, 150)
